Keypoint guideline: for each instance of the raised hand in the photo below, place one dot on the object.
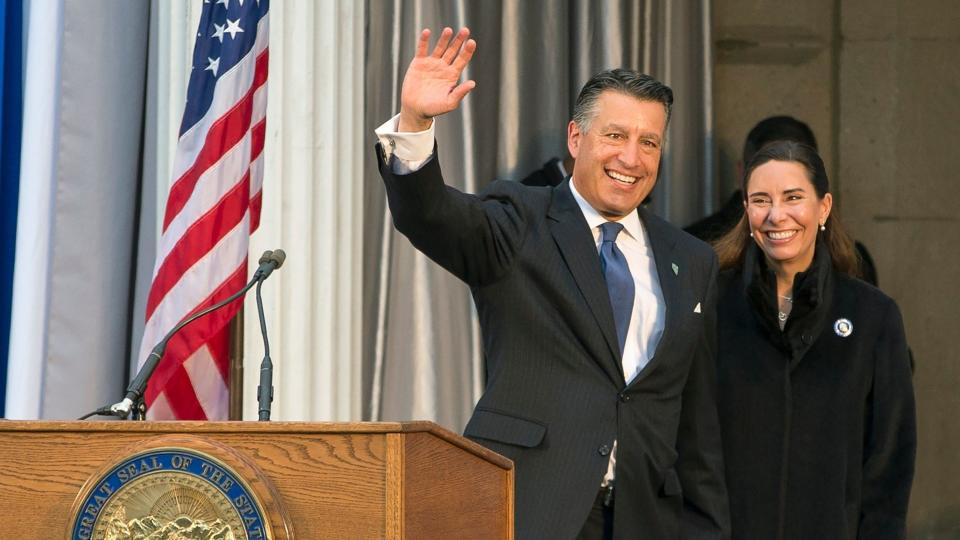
(430, 87)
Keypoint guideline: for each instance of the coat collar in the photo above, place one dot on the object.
(631, 222)
(663, 240)
(812, 294)
(575, 240)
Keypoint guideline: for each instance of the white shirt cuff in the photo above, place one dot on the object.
(412, 149)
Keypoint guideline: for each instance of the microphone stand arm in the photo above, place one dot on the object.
(133, 401)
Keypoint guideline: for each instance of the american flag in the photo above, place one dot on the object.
(213, 207)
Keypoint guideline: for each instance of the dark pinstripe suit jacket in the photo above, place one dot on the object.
(555, 397)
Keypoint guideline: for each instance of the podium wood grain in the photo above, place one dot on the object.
(334, 480)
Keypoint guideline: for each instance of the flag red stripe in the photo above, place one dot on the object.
(192, 336)
(257, 135)
(182, 398)
(198, 239)
(255, 203)
(219, 347)
(226, 132)
(189, 342)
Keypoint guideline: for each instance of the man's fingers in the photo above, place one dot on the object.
(465, 55)
(442, 42)
(423, 42)
(454, 47)
(461, 91)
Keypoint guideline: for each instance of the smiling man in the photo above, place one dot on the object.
(598, 317)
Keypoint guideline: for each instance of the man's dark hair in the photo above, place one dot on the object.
(777, 128)
(626, 81)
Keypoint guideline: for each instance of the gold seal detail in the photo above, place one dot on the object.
(170, 494)
(168, 506)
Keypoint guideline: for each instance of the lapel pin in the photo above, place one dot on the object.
(843, 327)
(697, 309)
(676, 269)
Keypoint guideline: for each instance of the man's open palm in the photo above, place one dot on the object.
(430, 87)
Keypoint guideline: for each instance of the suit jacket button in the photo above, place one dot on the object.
(624, 398)
(604, 450)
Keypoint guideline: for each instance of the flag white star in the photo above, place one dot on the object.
(213, 66)
(233, 27)
(219, 31)
(226, 3)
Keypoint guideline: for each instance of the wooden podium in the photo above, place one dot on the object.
(407, 480)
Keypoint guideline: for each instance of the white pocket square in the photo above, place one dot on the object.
(697, 309)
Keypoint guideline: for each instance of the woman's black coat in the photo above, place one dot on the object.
(819, 431)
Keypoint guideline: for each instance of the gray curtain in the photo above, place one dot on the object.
(95, 208)
(422, 358)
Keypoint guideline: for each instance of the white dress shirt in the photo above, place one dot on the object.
(413, 149)
(649, 311)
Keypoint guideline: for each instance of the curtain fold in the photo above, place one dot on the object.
(76, 228)
(312, 209)
(37, 162)
(423, 358)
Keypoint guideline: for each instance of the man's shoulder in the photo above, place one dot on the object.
(536, 196)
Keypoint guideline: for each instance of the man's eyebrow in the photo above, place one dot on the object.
(620, 127)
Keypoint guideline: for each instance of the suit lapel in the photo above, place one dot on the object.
(579, 250)
(663, 242)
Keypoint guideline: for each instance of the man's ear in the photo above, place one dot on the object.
(573, 139)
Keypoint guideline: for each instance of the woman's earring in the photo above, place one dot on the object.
(823, 227)
(751, 234)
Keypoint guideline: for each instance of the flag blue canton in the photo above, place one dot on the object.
(226, 33)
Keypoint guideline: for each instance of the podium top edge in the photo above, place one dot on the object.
(13, 427)
(216, 427)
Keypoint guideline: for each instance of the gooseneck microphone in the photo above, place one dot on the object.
(265, 388)
(133, 400)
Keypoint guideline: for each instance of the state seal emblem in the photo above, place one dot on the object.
(170, 492)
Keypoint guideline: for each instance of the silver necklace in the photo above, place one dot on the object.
(780, 314)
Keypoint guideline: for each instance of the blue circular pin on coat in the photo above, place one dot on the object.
(843, 327)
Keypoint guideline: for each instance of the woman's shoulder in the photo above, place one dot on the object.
(862, 292)
(858, 295)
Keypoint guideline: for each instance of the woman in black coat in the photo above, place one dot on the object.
(815, 395)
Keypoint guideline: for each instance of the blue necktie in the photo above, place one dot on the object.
(620, 285)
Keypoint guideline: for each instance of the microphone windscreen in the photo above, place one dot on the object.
(278, 256)
(266, 257)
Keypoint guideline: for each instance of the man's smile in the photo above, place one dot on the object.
(622, 178)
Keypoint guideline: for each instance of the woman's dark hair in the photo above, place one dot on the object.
(731, 247)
